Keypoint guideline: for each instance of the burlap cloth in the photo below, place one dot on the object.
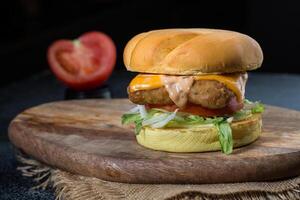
(69, 186)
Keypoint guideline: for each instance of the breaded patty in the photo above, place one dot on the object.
(207, 93)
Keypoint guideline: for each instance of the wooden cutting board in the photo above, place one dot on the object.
(86, 137)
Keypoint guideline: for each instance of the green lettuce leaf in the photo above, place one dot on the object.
(135, 118)
(249, 109)
(130, 118)
(138, 126)
(225, 136)
(258, 108)
(242, 114)
(191, 121)
(254, 107)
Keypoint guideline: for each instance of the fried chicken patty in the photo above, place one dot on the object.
(207, 93)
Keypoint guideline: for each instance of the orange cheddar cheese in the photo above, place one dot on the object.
(234, 82)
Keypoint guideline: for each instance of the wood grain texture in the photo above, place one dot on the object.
(87, 138)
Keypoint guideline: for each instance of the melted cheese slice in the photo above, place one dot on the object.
(235, 82)
(145, 82)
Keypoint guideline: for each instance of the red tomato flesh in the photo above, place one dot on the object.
(84, 63)
(194, 109)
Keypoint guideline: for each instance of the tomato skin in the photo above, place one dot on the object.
(194, 109)
(85, 63)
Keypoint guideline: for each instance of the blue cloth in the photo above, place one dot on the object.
(12, 184)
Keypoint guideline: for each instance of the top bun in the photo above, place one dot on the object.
(192, 52)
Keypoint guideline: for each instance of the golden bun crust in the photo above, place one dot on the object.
(199, 139)
(192, 52)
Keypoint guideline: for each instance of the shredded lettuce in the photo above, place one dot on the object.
(191, 121)
(225, 136)
(158, 118)
(130, 118)
(133, 118)
(249, 109)
(242, 114)
(255, 107)
(258, 108)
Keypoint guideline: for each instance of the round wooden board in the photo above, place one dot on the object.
(86, 137)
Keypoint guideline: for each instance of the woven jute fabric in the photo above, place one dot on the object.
(75, 187)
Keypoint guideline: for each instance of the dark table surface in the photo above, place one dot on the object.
(274, 89)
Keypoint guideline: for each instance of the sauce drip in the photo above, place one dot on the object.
(178, 88)
(241, 84)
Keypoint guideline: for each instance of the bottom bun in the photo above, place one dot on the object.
(199, 139)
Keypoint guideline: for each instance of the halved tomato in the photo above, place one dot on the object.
(83, 63)
(194, 109)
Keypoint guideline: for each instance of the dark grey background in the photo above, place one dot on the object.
(29, 26)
